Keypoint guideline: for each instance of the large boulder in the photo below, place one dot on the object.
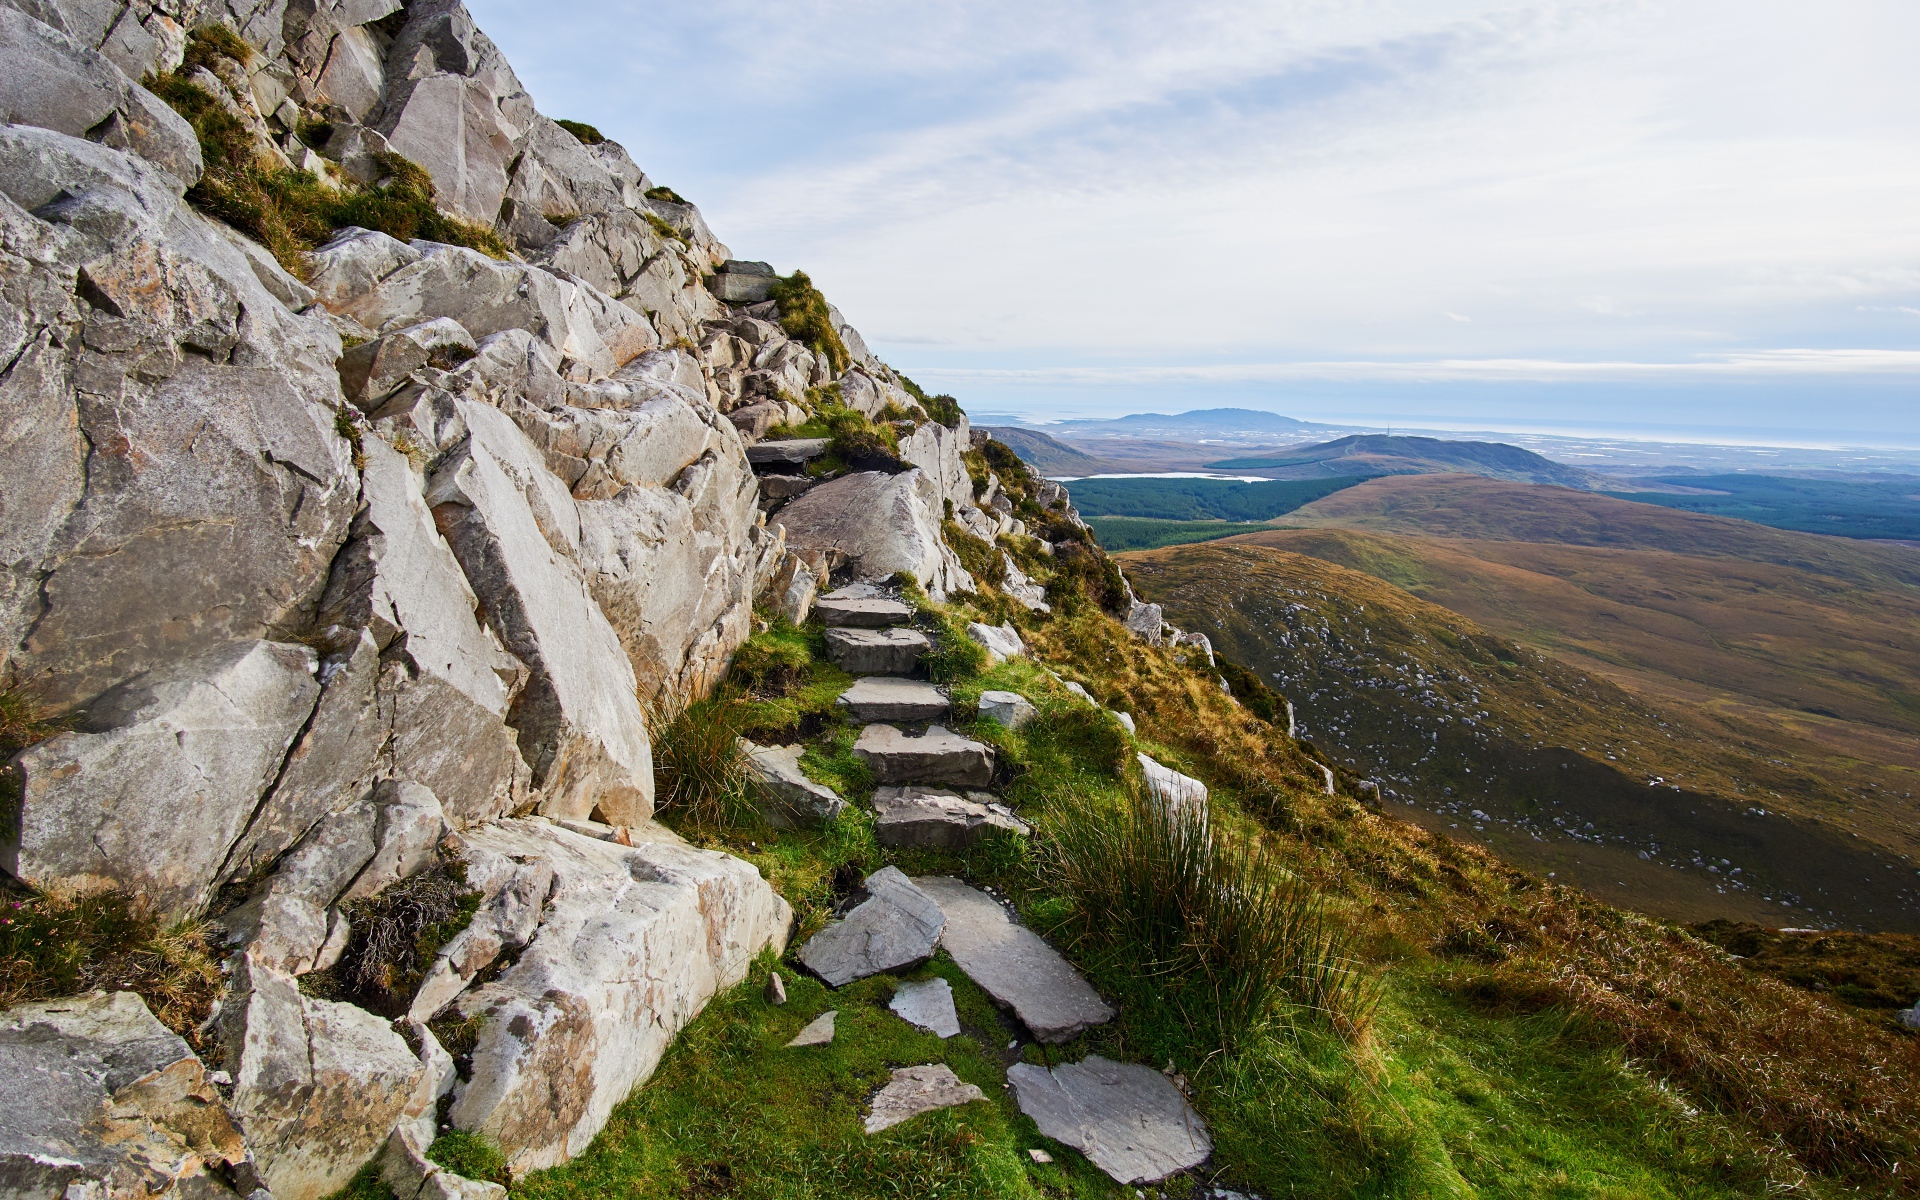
(635, 940)
(513, 526)
(174, 478)
(103, 1100)
(936, 449)
(156, 786)
(878, 525)
(51, 80)
(317, 1085)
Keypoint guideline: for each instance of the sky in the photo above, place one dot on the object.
(1696, 218)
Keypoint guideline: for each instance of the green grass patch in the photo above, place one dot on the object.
(804, 315)
(472, 1155)
(1200, 499)
(587, 134)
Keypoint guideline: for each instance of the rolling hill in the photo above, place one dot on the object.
(1390, 454)
(1200, 499)
(1047, 455)
(1550, 763)
(1861, 507)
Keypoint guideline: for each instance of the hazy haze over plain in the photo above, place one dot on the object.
(1671, 216)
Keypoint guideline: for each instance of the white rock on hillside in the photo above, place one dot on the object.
(634, 941)
(792, 801)
(1179, 793)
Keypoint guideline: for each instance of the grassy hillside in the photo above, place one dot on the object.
(1387, 454)
(1046, 455)
(1200, 499)
(1147, 533)
(1552, 765)
(1854, 508)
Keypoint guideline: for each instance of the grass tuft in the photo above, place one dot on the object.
(803, 314)
(395, 936)
(700, 770)
(588, 135)
(470, 1155)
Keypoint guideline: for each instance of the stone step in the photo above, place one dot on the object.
(792, 450)
(933, 818)
(860, 613)
(886, 698)
(894, 929)
(876, 651)
(1014, 965)
(937, 756)
(1130, 1120)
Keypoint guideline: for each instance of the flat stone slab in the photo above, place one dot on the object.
(937, 756)
(885, 698)
(1129, 1120)
(1010, 709)
(789, 800)
(933, 818)
(876, 613)
(789, 450)
(927, 1003)
(876, 651)
(914, 1090)
(819, 1031)
(1014, 964)
(895, 928)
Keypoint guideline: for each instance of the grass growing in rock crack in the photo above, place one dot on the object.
(700, 769)
(52, 946)
(394, 937)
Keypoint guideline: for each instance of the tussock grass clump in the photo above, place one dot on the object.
(1083, 576)
(981, 558)
(942, 408)
(700, 771)
(396, 934)
(803, 314)
(665, 194)
(52, 946)
(1208, 916)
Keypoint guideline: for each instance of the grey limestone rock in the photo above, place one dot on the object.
(1015, 965)
(785, 487)
(754, 420)
(209, 733)
(317, 1085)
(915, 1090)
(51, 80)
(174, 479)
(372, 371)
(863, 613)
(516, 899)
(819, 1031)
(633, 942)
(792, 800)
(1146, 621)
(737, 287)
(578, 718)
(927, 1003)
(888, 698)
(937, 756)
(453, 127)
(935, 819)
(1010, 709)
(876, 651)
(1129, 1120)
(895, 928)
(879, 525)
(103, 1100)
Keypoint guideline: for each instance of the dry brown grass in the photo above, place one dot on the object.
(1820, 1090)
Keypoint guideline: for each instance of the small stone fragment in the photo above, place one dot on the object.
(915, 1090)
(776, 989)
(819, 1031)
(1172, 789)
(927, 1003)
(1040, 1156)
(1002, 642)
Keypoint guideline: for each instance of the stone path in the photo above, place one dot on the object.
(915, 1090)
(927, 1003)
(1014, 965)
(894, 929)
(937, 756)
(889, 698)
(876, 651)
(934, 818)
(1129, 1120)
(860, 612)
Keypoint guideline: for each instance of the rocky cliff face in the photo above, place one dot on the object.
(340, 571)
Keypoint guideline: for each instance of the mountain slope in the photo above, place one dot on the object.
(1387, 454)
(1555, 767)
(1046, 455)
